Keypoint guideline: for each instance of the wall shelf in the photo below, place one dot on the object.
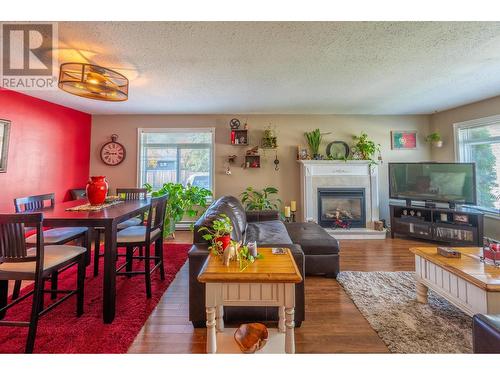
(239, 137)
(253, 161)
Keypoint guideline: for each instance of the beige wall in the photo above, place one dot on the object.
(290, 130)
(443, 123)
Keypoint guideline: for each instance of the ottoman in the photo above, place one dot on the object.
(320, 249)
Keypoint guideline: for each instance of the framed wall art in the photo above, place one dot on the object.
(4, 144)
(403, 139)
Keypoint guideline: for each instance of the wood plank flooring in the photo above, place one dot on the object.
(333, 323)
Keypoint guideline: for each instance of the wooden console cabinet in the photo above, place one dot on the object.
(459, 227)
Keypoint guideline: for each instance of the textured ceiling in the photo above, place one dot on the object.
(287, 67)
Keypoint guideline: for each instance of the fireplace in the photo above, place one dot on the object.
(346, 204)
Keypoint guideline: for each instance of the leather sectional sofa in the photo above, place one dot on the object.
(314, 251)
(486, 333)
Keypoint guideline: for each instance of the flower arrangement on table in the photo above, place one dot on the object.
(219, 234)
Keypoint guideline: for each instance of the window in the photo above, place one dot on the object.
(176, 155)
(478, 141)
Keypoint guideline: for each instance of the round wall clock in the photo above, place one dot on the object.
(113, 153)
(234, 124)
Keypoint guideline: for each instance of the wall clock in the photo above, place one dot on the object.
(113, 153)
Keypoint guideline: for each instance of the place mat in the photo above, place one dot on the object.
(89, 207)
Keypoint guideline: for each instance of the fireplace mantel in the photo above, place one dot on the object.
(316, 174)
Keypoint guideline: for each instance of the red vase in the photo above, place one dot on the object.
(97, 189)
(226, 241)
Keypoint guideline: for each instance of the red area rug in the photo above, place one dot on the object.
(60, 331)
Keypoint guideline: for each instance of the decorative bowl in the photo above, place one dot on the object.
(251, 337)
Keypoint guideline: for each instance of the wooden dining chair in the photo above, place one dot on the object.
(18, 262)
(125, 194)
(55, 236)
(144, 236)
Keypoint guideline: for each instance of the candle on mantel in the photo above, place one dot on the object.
(293, 206)
(287, 211)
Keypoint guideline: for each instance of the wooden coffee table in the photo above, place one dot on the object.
(267, 282)
(466, 282)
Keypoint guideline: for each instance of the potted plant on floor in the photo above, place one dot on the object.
(219, 234)
(182, 201)
(434, 139)
(258, 200)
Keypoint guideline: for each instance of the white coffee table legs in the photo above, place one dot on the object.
(281, 295)
(422, 291)
(211, 334)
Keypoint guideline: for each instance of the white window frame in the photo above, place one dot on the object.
(210, 130)
(460, 150)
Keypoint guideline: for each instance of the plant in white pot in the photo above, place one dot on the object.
(435, 139)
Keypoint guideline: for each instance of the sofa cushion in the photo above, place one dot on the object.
(220, 206)
(313, 239)
(271, 232)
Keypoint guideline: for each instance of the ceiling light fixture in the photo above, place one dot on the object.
(93, 82)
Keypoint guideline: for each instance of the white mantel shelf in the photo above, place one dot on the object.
(368, 162)
(316, 174)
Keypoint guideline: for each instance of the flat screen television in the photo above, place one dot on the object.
(453, 183)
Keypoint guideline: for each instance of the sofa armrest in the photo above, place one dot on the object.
(262, 215)
(197, 256)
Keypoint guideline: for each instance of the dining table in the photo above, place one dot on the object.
(108, 219)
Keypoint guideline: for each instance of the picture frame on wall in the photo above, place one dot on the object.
(403, 139)
(4, 144)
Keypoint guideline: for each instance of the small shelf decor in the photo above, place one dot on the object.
(239, 137)
(252, 158)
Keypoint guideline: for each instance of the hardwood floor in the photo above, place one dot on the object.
(333, 323)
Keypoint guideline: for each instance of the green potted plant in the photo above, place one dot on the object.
(364, 148)
(182, 201)
(219, 234)
(434, 139)
(314, 140)
(255, 200)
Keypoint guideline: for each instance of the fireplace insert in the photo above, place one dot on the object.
(341, 205)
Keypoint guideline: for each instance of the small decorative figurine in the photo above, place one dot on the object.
(231, 252)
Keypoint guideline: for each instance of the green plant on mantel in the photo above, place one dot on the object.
(182, 200)
(365, 149)
(314, 139)
(255, 200)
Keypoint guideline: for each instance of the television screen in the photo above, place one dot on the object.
(438, 182)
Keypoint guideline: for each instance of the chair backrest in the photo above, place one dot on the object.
(156, 215)
(34, 202)
(131, 193)
(78, 194)
(12, 237)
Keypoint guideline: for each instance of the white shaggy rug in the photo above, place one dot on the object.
(388, 301)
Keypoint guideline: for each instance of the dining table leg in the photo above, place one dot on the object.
(109, 287)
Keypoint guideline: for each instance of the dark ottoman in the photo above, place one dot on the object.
(320, 249)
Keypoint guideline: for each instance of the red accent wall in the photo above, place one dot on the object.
(49, 148)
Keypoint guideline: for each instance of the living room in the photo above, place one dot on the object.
(250, 187)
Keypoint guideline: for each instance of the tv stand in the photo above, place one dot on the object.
(458, 227)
